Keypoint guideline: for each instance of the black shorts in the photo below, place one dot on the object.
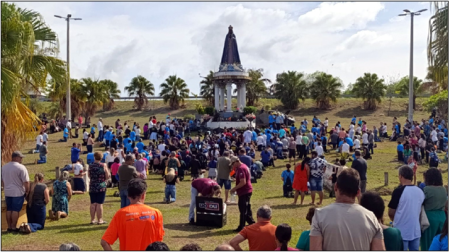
(79, 185)
(98, 197)
(291, 153)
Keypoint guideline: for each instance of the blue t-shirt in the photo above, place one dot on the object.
(400, 147)
(445, 139)
(431, 121)
(439, 245)
(75, 154)
(246, 160)
(349, 141)
(303, 128)
(133, 136)
(140, 146)
(254, 136)
(324, 139)
(66, 132)
(282, 132)
(360, 122)
(92, 129)
(265, 156)
(271, 120)
(212, 164)
(125, 141)
(292, 129)
(354, 120)
(108, 135)
(341, 143)
(287, 174)
(397, 129)
(275, 131)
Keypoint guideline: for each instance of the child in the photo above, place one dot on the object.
(400, 149)
(170, 192)
(114, 169)
(212, 172)
(287, 176)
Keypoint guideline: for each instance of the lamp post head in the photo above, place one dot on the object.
(69, 15)
(406, 10)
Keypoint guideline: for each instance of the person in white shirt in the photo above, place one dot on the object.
(365, 138)
(351, 131)
(100, 129)
(260, 142)
(45, 137)
(319, 149)
(357, 143)
(161, 146)
(345, 150)
(325, 123)
(69, 127)
(138, 133)
(39, 140)
(248, 136)
(358, 130)
(434, 135)
(168, 120)
(85, 136)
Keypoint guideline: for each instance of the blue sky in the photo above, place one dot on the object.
(120, 40)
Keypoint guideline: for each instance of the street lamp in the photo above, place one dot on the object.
(411, 76)
(68, 110)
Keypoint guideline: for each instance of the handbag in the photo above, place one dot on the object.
(424, 223)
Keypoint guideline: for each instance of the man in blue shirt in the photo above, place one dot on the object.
(65, 135)
(75, 153)
(288, 179)
(133, 136)
(354, 119)
(400, 149)
(268, 135)
(303, 128)
(140, 145)
(271, 119)
(282, 132)
(349, 142)
(292, 129)
(108, 137)
(244, 158)
(431, 120)
(127, 146)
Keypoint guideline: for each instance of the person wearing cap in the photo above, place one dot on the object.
(207, 188)
(16, 186)
(244, 191)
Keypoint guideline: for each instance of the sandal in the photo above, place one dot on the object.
(26, 229)
(94, 222)
(101, 223)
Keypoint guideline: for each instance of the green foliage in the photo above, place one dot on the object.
(189, 116)
(438, 41)
(174, 90)
(207, 88)
(256, 87)
(402, 86)
(290, 87)
(209, 111)
(325, 89)
(141, 88)
(249, 110)
(439, 101)
(267, 107)
(199, 108)
(371, 89)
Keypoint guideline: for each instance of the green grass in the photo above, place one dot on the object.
(268, 190)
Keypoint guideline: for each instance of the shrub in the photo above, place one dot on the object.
(267, 107)
(200, 109)
(189, 116)
(249, 110)
(209, 111)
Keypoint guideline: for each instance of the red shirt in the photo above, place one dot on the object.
(204, 185)
(242, 172)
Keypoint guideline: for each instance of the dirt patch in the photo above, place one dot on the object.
(384, 191)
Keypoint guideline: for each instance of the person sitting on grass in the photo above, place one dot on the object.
(303, 240)
(283, 235)
(62, 192)
(392, 237)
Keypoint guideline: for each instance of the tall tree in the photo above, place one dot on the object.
(141, 88)
(174, 90)
(371, 89)
(28, 49)
(96, 95)
(112, 92)
(207, 88)
(402, 87)
(57, 93)
(256, 87)
(289, 88)
(325, 89)
(438, 41)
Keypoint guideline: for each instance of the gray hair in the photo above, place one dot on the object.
(64, 176)
(226, 153)
(264, 212)
(69, 247)
(406, 172)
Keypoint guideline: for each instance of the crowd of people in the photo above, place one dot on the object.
(214, 160)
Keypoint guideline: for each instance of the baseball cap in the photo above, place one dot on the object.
(17, 154)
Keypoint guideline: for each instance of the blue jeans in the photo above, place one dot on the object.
(124, 200)
(42, 159)
(170, 193)
(316, 184)
(411, 245)
(37, 148)
(100, 135)
(36, 217)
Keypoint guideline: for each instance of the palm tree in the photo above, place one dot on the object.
(174, 90)
(256, 87)
(369, 88)
(96, 95)
(289, 88)
(57, 93)
(207, 88)
(438, 41)
(325, 89)
(402, 87)
(141, 88)
(28, 46)
(112, 91)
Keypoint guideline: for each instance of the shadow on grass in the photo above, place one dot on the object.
(199, 231)
(93, 227)
(58, 227)
(286, 206)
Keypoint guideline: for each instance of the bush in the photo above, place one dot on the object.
(189, 116)
(267, 107)
(200, 109)
(209, 111)
(438, 101)
(249, 110)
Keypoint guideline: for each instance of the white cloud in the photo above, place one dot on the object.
(364, 38)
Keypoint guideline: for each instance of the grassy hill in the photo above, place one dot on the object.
(268, 190)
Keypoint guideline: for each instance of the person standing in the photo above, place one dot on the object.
(75, 152)
(223, 173)
(100, 130)
(345, 225)
(16, 186)
(360, 165)
(207, 188)
(372, 201)
(126, 173)
(129, 223)
(39, 140)
(405, 207)
(301, 178)
(317, 167)
(287, 176)
(244, 191)
(98, 174)
(248, 136)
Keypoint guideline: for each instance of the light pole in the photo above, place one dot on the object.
(411, 76)
(68, 109)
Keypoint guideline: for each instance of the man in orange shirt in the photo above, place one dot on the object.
(261, 235)
(136, 225)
